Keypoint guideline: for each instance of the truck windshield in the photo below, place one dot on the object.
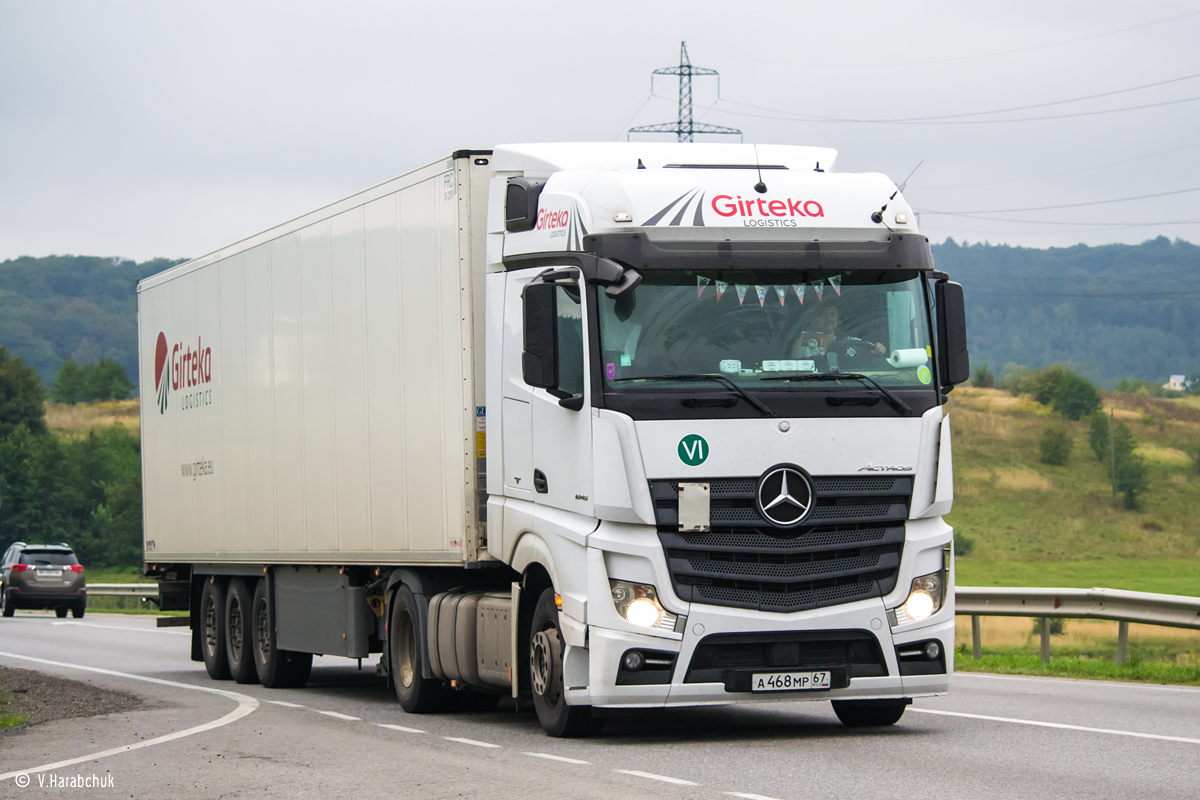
(756, 327)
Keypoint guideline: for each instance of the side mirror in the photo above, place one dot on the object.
(539, 362)
(954, 362)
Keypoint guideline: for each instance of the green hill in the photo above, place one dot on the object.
(1116, 311)
(1033, 524)
(80, 307)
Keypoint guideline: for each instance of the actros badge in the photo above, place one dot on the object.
(784, 496)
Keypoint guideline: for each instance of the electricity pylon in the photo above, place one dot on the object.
(684, 127)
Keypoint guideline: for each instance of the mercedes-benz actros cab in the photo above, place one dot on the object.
(599, 426)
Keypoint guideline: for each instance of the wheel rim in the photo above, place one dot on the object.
(543, 659)
(262, 630)
(209, 610)
(406, 662)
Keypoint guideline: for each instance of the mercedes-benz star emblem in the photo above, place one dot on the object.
(784, 496)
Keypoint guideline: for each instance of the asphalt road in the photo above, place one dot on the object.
(195, 738)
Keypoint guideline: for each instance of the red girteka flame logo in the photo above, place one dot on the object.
(161, 375)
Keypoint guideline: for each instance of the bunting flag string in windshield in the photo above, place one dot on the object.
(782, 292)
(701, 282)
(741, 292)
(819, 286)
(836, 283)
(762, 294)
(798, 288)
(721, 286)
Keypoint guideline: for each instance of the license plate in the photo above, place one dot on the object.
(49, 573)
(789, 681)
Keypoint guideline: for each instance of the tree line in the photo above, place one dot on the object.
(85, 492)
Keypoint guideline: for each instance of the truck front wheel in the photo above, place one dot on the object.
(212, 630)
(546, 649)
(417, 694)
(276, 669)
(869, 713)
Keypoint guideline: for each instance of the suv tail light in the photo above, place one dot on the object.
(76, 568)
(19, 567)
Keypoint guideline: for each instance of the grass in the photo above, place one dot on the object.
(10, 720)
(1161, 575)
(76, 420)
(116, 575)
(1036, 525)
(1069, 667)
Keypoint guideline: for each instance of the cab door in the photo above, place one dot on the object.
(560, 413)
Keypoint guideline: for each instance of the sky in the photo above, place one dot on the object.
(145, 129)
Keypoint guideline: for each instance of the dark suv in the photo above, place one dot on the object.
(42, 576)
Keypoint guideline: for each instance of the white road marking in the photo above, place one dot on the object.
(1084, 681)
(401, 728)
(748, 796)
(469, 741)
(563, 759)
(246, 705)
(1059, 725)
(124, 628)
(653, 777)
(284, 703)
(338, 715)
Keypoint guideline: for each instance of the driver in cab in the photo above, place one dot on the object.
(821, 334)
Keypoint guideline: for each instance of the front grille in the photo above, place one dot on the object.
(848, 549)
(856, 651)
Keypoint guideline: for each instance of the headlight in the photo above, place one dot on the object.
(925, 599)
(638, 604)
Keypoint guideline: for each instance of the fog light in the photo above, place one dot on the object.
(932, 651)
(634, 661)
(638, 604)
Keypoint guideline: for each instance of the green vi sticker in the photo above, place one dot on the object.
(693, 450)
(923, 375)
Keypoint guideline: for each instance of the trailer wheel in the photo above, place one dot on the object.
(275, 668)
(212, 630)
(546, 649)
(417, 695)
(239, 637)
(869, 713)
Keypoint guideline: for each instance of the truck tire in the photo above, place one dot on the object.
(239, 633)
(546, 649)
(417, 695)
(275, 668)
(869, 713)
(212, 630)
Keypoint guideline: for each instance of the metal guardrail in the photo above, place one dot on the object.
(1124, 607)
(122, 589)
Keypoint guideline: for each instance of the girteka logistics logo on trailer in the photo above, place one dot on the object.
(182, 367)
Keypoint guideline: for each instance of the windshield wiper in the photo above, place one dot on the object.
(892, 398)
(721, 379)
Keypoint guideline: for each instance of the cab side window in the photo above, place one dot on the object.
(570, 339)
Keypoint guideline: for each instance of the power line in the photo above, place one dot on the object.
(789, 117)
(1053, 222)
(1067, 205)
(956, 58)
(1144, 295)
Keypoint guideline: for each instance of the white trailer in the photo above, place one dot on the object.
(713, 378)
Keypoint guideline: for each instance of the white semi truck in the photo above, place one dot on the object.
(599, 425)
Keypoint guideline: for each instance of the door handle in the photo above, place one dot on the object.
(539, 482)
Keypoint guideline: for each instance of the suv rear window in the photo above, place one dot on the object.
(48, 558)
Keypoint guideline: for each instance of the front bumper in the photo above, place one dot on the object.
(629, 556)
(606, 648)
